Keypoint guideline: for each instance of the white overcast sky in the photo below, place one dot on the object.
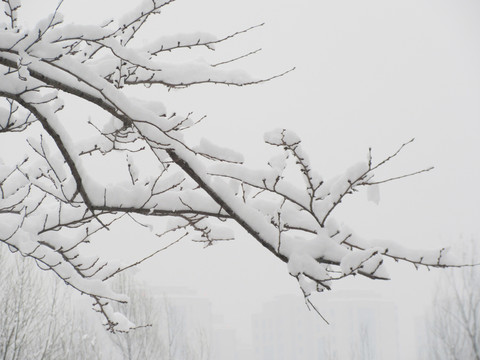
(368, 74)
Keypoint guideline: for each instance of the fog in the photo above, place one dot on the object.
(368, 74)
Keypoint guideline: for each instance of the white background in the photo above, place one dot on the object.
(368, 74)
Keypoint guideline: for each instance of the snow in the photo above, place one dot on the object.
(368, 261)
(190, 72)
(302, 263)
(9, 38)
(217, 152)
(112, 125)
(267, 202)
(14, 188)
(122, 323)
(281, 136)
(279, 162)
(309, 286)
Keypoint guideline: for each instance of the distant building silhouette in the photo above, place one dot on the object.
(362, 327)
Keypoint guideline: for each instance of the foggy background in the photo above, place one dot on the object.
(368, 74)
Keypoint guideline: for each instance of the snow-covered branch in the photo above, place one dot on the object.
(52, 205)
